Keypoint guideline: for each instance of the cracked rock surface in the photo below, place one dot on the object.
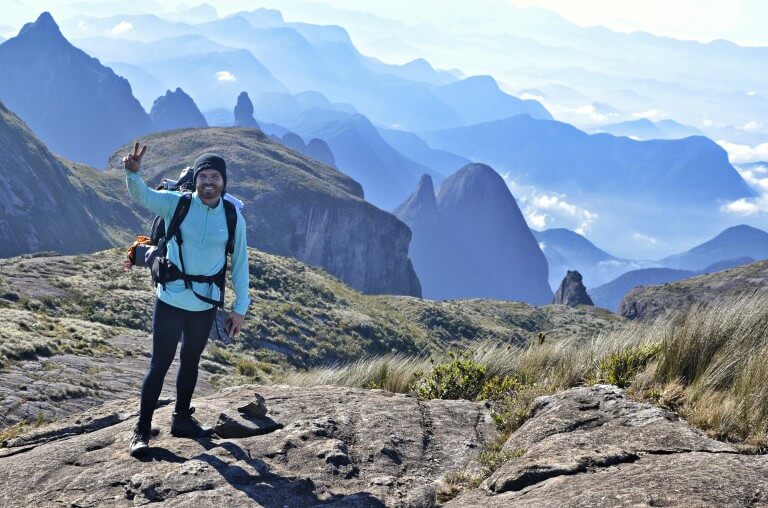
(591, 446)
(333, 446)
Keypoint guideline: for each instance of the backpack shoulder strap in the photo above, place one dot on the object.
(182, 208)
(231, 213)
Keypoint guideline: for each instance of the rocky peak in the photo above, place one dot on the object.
(42, 29)
(176, 110)
(244, 112)
(421, 202)
(475, 183)
(319, 150)
(572, 291)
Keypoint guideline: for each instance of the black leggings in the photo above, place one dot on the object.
(168, 324)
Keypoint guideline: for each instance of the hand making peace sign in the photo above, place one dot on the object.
(133, 161)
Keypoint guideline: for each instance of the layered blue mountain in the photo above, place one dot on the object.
(176, 110)
(737, 241)
(78, 107)
(560, 157)
(416, 149)
(470, 240)
(212, 73)
(312, 57)
(610, 295)
(359, 151)
(646, 129)
(315, 148)
(567, 250)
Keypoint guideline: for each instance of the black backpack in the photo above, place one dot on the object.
(163, 271)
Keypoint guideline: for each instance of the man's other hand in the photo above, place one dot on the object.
(234, 323)
(132, 161)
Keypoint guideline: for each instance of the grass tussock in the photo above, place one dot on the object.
(709, 363)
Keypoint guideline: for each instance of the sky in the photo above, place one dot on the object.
(741, 21)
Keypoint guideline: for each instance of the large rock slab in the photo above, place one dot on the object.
(338, 446)
(591, 446)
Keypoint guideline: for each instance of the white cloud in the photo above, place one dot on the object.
(532, 97)
(587, 110)
(751, 93)
(226, 76)
(752, 125)
(121, 28)
(743, 206)
(645, 239)
(542, 210)
(750, 206)
(651, 114)
(745, 153)
(707, 123)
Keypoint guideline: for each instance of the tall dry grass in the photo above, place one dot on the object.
(709, 362)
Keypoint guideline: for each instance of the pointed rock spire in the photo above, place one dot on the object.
(572, 291)
(421, 203)
(244, 112)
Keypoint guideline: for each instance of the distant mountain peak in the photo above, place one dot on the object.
(43, 27)
(244, 111)
(425, 189)
(422, 202)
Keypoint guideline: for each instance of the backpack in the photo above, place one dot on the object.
(163, 271)
(152, 251)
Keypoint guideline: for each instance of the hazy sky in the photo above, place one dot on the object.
(742, 21)
(738, 20)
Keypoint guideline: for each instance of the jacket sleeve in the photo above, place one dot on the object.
(163, 203)
(240, 276)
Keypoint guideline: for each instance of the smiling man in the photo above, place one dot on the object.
(192, 287)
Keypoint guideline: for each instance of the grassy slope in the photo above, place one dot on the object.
(650, 302)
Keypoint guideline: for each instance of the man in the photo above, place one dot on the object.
(179, 310)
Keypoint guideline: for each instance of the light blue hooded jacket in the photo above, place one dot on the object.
(204, 231)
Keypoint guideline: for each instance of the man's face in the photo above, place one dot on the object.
(209, 184)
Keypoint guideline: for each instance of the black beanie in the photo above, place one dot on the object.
(210, 161)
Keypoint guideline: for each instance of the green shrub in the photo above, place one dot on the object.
(620, 367)
(461, 378)
(248, 368)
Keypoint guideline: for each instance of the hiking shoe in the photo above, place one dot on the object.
(183, 424)
(139, 440)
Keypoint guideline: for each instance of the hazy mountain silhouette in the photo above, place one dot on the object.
(600, 163)
(78, 107)
(470, 240)
(416, 149)
(359, 151)
(737, 241)
(305, 56)
(316, 148)
(176, 110)
(244, 112)
(646, 129)
(566, 250)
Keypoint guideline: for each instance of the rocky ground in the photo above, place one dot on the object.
(591, 446)
(324, 445)
(288, 446)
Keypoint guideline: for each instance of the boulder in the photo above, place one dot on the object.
(593, 447)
